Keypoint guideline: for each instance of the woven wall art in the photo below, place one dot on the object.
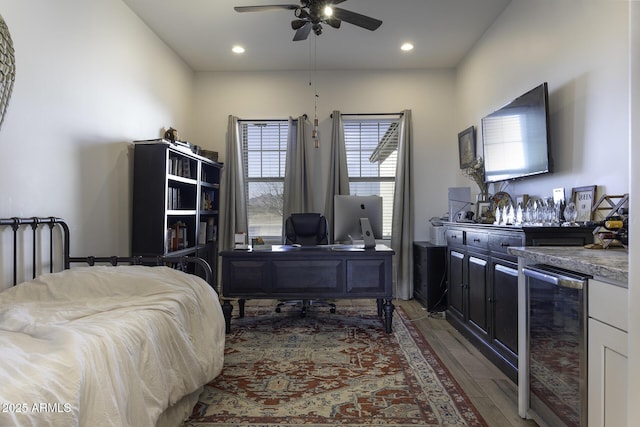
(7, 68)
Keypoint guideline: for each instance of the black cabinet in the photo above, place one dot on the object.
(483, 283)
(175, 202)
(457, 282)
(478, 292)
(429, 284)
(504, 299)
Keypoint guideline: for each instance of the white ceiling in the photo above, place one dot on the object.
(202, 33)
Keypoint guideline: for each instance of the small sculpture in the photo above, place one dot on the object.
(171, 134)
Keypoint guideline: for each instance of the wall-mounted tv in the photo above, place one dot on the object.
(515, 138)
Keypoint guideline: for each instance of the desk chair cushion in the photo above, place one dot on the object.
(306, 229)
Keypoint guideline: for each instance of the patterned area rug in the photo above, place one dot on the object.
(330, 369)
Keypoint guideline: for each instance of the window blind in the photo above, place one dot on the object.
(371, 150)
(264, 150)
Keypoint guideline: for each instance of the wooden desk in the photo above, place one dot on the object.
(311, 272)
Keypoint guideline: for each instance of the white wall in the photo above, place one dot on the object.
(277, 95)
(90, 78)
(580, 47)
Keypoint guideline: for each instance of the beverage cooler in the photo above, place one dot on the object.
(556, 336)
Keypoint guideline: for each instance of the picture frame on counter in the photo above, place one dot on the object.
(467, 147)
(484, 213)
(583, 198)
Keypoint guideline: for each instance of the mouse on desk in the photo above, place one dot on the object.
(296, 245)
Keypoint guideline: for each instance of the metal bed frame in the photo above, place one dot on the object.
(57, 223)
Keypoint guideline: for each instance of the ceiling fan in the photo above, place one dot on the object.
(311, 14)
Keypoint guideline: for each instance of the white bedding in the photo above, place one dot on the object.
(112, 346)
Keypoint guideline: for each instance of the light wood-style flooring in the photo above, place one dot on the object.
(494, 395)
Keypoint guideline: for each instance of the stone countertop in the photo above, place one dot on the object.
(612, 263)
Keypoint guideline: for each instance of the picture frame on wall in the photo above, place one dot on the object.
(467, 147)
(583, 199)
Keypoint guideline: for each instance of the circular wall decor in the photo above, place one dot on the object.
(7, 68)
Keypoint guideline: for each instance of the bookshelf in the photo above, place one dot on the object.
(176, 196)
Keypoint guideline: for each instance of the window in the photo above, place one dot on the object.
(371, 148)
(264, 147)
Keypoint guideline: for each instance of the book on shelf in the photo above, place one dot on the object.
(211, 230)
(177, 236)
(174, 198)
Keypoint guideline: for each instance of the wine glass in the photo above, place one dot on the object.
(570, 213)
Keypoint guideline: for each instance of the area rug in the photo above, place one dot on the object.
(330, 369)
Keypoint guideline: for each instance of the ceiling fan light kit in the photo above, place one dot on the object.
(311, 14)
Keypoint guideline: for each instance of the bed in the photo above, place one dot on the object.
(122, 344)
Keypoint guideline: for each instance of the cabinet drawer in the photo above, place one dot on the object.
(477, 239)
(501, 242)
(608, 304)
(455, 237)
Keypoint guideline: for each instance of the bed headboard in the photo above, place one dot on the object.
(39, 235)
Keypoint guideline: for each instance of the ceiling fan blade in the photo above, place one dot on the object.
(266, 7)
(356, 19)
(303, 32)
(334, 22)
(296, 24)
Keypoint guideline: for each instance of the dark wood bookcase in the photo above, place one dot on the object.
(176, 196)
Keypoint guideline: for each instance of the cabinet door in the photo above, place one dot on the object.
(478, 294)
(456, 282)
(607, 375)
(505, 307)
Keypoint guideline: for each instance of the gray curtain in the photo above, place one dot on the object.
(297, 176)
(338, 173)
(233, 200)
(402, 227)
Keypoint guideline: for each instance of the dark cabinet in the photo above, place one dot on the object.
(175, 202)
(429, 283)
(504, 300)
(483, 283)
(478, 292)
(457, 283)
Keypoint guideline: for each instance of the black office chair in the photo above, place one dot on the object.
(306, 229)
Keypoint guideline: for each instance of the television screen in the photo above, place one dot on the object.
(347, 211)
(515, 138)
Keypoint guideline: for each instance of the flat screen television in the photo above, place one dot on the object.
(515, 138)
(347, 211)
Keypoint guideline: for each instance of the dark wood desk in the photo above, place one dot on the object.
(311, 272)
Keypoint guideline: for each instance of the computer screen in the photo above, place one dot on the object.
(347, 211)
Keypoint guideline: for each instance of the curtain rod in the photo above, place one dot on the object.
(271, 120)
(369, 114)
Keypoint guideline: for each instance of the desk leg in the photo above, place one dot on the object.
(380, 304)
(388, 315)
(241, 307)
(227, 308)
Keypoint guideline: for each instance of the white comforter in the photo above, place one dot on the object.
(112, 346)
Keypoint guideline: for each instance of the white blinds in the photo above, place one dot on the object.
(371, 148)
(264, 146)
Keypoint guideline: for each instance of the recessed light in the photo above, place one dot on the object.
(237, 49)
(406, 47)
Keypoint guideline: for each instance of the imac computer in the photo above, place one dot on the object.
(347, 214)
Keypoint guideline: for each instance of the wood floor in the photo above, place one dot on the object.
(494, 395)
